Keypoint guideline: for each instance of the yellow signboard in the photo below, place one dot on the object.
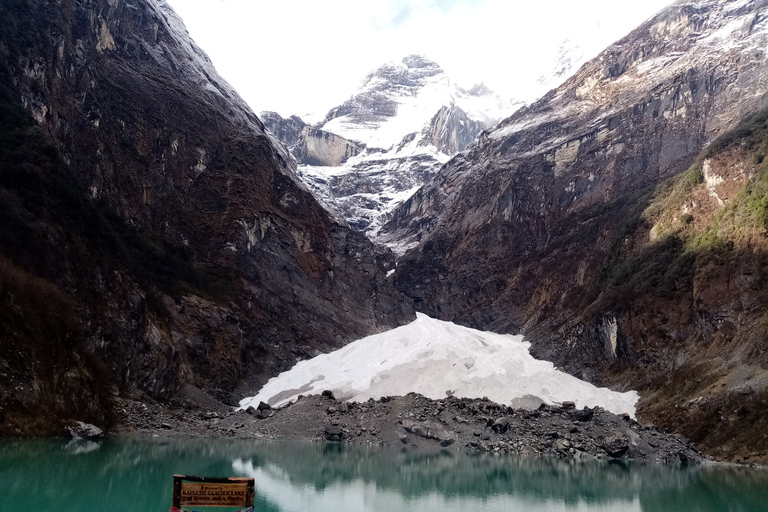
(214, 495)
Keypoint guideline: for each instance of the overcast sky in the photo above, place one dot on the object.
(306, 56)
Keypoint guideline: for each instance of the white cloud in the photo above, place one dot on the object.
(300, 56)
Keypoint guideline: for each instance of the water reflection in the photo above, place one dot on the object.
(332, 477)
(135, 474)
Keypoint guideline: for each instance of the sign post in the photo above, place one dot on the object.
(206, 491)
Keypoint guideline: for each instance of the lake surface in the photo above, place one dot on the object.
(136, 475)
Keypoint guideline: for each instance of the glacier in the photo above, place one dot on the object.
(437, 359)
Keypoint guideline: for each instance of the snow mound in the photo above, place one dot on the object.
(437, 359)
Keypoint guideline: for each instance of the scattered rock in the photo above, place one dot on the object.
(403, 422)
(263, 406)
(328, 393)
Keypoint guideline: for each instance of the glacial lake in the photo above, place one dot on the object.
(135, 474)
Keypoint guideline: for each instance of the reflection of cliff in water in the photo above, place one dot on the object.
(136, 474)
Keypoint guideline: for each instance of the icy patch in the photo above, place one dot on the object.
(437, 359)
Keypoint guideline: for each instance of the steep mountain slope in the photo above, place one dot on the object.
(370, 153)
(685, 289)
(193, 253)
(517, 232)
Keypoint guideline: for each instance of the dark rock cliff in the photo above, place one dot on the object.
(519, 232)
(214, 265)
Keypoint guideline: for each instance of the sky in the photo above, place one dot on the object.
(304, 57)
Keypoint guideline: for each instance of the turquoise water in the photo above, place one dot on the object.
(136, 475)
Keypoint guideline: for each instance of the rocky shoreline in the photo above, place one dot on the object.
(416, 422)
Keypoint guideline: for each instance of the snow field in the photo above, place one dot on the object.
(436, 358)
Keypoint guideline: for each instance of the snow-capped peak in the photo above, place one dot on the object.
(400, 98)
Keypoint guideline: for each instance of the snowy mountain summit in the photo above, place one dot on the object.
(401, 99)
(373, 151)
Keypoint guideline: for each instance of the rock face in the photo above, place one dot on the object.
(523, 231)
(326, 149)
(198, 255)
(374, 150)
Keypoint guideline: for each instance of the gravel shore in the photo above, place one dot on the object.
(416, 422)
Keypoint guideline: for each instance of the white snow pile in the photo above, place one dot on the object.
(437, 359)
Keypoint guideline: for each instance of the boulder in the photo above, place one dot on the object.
(265, 413)
(501, 425)
(584, 414)
(526, 403)
(80, 430)
(616, 446)
(334, 433)
(429, 430)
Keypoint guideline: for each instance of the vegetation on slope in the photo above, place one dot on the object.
(687, 275)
